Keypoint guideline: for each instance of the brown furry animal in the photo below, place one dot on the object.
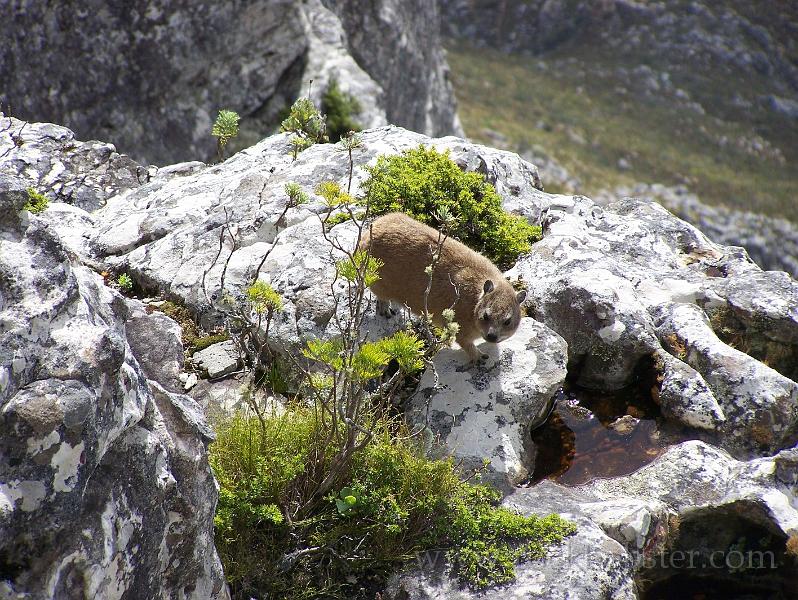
(485, 303)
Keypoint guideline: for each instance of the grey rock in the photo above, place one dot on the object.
(611, 306)
(217, 360)
(771, 242)
(701, 34)
(155, 341)
(49, 159)
(105, 487)
(152, 78)
(486, 412)
(398, 43)
(784, 106)
(624, 524)
(626, 285)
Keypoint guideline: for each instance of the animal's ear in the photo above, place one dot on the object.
(521, 296)
(488, 287)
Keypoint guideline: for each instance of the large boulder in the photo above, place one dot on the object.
(151, 78)
(105, 487)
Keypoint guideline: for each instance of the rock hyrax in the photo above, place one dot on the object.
(485, 304)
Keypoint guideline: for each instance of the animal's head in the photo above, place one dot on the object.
(498, 311)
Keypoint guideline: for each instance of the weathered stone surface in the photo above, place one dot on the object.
(155, 340)
(604, 279)
(105, 488)
(151, 78)
(486, 412)
(217, 360)
(49, 159)
(625, 522)
(772, 243)
(397, 42)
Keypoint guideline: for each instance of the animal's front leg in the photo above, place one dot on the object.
(475, 356)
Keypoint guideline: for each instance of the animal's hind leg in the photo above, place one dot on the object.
(384, 308)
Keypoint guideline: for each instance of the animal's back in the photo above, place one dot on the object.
(406, 248)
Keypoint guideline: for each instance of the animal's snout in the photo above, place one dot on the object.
(492, 337)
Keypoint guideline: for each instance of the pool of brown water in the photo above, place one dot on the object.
(592, 435)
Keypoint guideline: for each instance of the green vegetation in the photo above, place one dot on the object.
(424, 183)
(125, 282)
(306, 124)
(393, 504)
(203, 342)
(263, 298)
(225, 129)
(575, 106)
(339, 109)
(36, 202)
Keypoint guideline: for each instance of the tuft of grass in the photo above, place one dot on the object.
(395, 504)
(427, 184)
(36, 202)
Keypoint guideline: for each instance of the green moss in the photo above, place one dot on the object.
(395, 504)
(339, 109)
(425, 183)
(201, 343)
(36, 202)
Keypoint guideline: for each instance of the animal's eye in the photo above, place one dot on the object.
(506, 321)
(485, 316)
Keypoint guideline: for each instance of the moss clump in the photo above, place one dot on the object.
(201, 343)
(339, 109)
(425, 183)
(36, 202)
(394, 505)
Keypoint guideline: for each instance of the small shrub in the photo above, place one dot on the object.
(224, 129)
(190, 332)
(124, 282)
(339, 108)
(425, 183)
(36, 202)
(306, 124)
(263, 298)
(395, 504)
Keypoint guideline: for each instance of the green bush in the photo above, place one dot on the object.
(395, 504)
(339, 109)
(423, 182)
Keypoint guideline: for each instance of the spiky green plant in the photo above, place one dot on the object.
(225, 128)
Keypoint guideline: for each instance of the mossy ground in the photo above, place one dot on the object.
(574, 106)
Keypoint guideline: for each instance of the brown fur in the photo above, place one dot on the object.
(485, 303)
